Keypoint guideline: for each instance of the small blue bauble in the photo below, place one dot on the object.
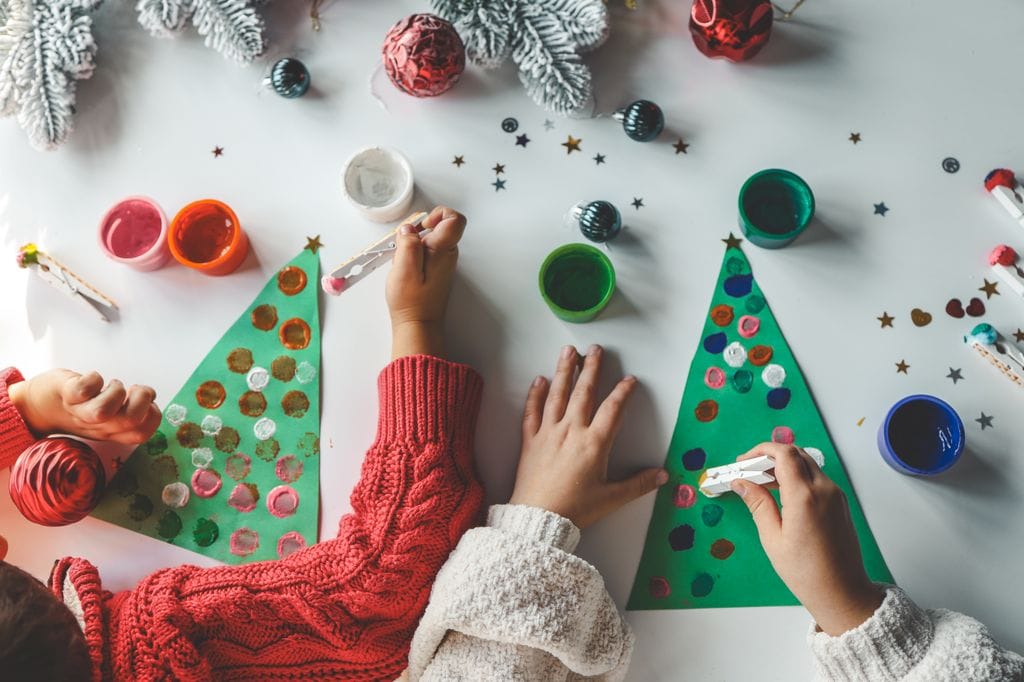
(642, 120)
(289, 78)
(600, 221)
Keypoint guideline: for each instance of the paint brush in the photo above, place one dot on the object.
(369, 259)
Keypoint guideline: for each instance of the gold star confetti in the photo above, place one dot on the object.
(680, 146)
(855, 137)
(314, 244)
(990, 288)
(902, 367)
(732, 242)
(458, 161)
(572, 145)
(886, 320)
(217, 151)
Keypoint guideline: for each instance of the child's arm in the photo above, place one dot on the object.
(863, 631)
(512, 601)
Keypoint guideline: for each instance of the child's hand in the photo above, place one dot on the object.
(566, 443)
(420, 281)
(811, 543)
(62, 401)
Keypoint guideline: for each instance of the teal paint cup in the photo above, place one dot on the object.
(776, 206)
(577, 281)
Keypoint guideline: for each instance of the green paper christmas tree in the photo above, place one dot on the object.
(744, 388)
(233, 471)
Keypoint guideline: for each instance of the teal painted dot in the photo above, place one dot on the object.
(754, 304)
(711, 514)
(169, 525)
(742, 380)
(735, 266)
(701, 585)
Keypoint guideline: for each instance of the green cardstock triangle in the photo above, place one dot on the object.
(702, 552)
(247, 419)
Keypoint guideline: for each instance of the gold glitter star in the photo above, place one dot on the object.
(886, 320)
(855, 137)
(314, 244)
(458, 161)
(902, 367)
(680, 146)
(990, 288)
(572, 145)
(732, 242)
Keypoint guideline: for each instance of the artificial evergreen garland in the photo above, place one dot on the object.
(543, 37)
(232, 27)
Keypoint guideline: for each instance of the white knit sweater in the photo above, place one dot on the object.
(513, 603)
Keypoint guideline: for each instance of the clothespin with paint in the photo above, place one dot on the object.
(59, 276)
(1002, 184)
(998, 350)
(369, 259)
(1006, 264)
(717, 480)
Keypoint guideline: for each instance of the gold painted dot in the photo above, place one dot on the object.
(283, 368)
(267, 450)
(227, 440)
(295, 404)
(252, 404)
(189, 435)
(240, 360)
(211, 394)
(264, 317)
(291, 280)
(295, 334)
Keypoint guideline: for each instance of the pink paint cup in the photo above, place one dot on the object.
(134, 232)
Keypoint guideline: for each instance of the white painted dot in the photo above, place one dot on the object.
(774, 376)
(175, 495)
(817, 455)
(735, 354)
(257, 379)
(264, 428)
(175, 414)
(305, 372)
(202, 458)
(212, 425)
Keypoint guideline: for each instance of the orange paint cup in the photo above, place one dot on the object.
(206, 236)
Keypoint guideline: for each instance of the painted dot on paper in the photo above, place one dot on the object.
(706, 411)
(252, 404)
(211, 425)
(140, 508)
(778, 398)
(773, 376)
(755, 304)
(264, 317)
(295, 334)
(711, 514)
(308, 445)
(125, 483)
(748, 326)
(169, 525)
(288, 469)
(189, 435)
(722, 549)
(694, 459)
(715, 343)
(701, 585)
(257, 379)
(175, 495)
(714, 378)
(156, 444)
(237, 466)
(227, 440)
(722, 315)
(783, 435)
(202, 458)
(680, 538)
(244, 497)
(240, 360)
(282, 501)
(264, 429)
(295, 404)
(205, 532)
(205, 482)
(175, 414)
(164, 468)
(760, 355)
(735, 354)
(685, 496)
(735, 266)
(742, 380)
(244, 542)
(268, 449)
(289, 543)
(291, 280)
(659, 587)
(305, 373)
(738, 286)
(210, 394)
(283, 368)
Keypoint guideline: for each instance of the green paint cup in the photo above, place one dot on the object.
(776, 206)
(577, 281)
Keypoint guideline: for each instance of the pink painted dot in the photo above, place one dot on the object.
(238, 465)
(289, 468)
(244, 497)
(206, 482)
(290, 543)
(244, 542)
(282, 501)
(659, 587)
(748, 326)
(685, 496)
(784, 435)
(714, 378)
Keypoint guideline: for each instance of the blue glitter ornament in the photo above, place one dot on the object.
(289, 78)
(642, 120)
(599, 220)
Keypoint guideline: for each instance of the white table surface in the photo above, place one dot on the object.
(919, 80)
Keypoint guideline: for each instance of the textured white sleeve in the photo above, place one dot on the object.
(901, 641)
(513, 602)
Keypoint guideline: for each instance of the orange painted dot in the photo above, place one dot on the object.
(706, 410)
(295, 404)
(264, 317)
(189, 435)
(252, 404)
(722, 315)
(760, 355)
(291, 280)
(295, 334)
(722, 549)
(211, 394)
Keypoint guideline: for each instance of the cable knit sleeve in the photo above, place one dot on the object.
(15, 437)
(904, 642)
(513, 602)
(342, 609)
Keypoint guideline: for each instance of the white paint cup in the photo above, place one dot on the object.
(378, 181)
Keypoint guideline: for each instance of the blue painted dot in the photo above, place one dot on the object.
(681, 537)
(716, 343)
(694, 459)
(778, 398)
(711, 514)
(738, 286)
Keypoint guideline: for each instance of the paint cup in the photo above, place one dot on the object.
(378, 181)
(921, 436)
(577, 281)
(206, 236)
(776, 206)
(134, 232)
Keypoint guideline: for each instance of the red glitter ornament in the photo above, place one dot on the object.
(57, 481)
(734, 29)
(424, 55)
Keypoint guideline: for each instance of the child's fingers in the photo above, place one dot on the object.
(790, 465)
(534, 411)
(581, 402)
(106, 404)
(408, 253)
(447, 225)
(609, 415)
(637, 485)
(558, 394)
(136, 408)
(82, 387)
(763, 509)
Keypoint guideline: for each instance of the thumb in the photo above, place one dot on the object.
(638, 485)
(408, 253)
(763, 509)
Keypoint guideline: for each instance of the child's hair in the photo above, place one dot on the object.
(39, 637)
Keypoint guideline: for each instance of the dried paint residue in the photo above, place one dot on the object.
(205, 532)
(283, 368)
(295, 334)
(295, 404)
(252, 404)
(175, 495)
(701, 585)
(206, 482)
(722, 549)
(240, 360)
(289, 469)
(244, 542)
(237, 466)
(244, 497)
(264, 317)
(282, 501)
(210, 394)
(289, 543)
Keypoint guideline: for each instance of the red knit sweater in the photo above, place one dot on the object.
(344, 609)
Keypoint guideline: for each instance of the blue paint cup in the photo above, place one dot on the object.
(921, 436)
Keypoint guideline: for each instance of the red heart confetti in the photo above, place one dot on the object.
(955, 308)
(976, 308)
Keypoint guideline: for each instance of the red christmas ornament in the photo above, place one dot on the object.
(734, 29)
(57, 481)
(424, 55)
